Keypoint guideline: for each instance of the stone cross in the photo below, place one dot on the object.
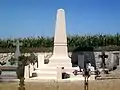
(103, 56)
(21, 85)
(17, 52)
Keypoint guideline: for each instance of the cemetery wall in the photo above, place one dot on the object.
(92, 57)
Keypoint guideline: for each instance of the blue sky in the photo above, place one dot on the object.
(24, 18)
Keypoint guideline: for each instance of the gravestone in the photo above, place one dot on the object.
(119, 60)
(40, 60)
(31, 69)
(97, 59)
(116, 59)
(103, 56)
(9, 71)
(88, 58)
(104, 69)
(81, 61)
(17, 52)
(26, 72)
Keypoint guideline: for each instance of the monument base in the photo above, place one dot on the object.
(46, 72)
(55, 73)
(73, 78)
(62, 61)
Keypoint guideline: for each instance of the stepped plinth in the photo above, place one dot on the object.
(59, 62)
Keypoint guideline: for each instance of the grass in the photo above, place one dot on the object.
(93, 85)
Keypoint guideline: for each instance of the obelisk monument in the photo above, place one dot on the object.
(60, 50)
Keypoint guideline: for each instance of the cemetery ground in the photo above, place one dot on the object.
(113, 84)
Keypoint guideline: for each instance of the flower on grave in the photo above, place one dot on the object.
(32, 58)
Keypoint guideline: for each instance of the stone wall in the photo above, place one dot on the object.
(92, 57)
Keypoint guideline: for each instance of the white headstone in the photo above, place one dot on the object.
(60, 51)
(31, 69)
(26, 72)
(59, 73)
(40, 60)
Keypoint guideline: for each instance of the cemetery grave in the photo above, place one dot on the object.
(53, 65)
(58, 65)
(9, 69)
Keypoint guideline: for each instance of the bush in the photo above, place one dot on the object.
(45, 44)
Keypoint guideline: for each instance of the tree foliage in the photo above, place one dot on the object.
(74, 41)
(24, 61)
(12, 61)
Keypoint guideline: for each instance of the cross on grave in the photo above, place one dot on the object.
(17, 52)
(21, 85)
(103, 56)
(86, 75)
(86, 71)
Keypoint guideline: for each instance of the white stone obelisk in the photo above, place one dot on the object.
(60, 51)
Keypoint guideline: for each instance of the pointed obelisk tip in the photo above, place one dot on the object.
(60, 10)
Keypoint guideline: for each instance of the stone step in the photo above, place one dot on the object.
(4, 77)
(43, 78)
(46, 68)
(47, 76)
(80, 77)
(52, 69)
(106, 78)
(61, 60)
(67, 65)
(9, 73)
(9, 80)
(46, 73)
